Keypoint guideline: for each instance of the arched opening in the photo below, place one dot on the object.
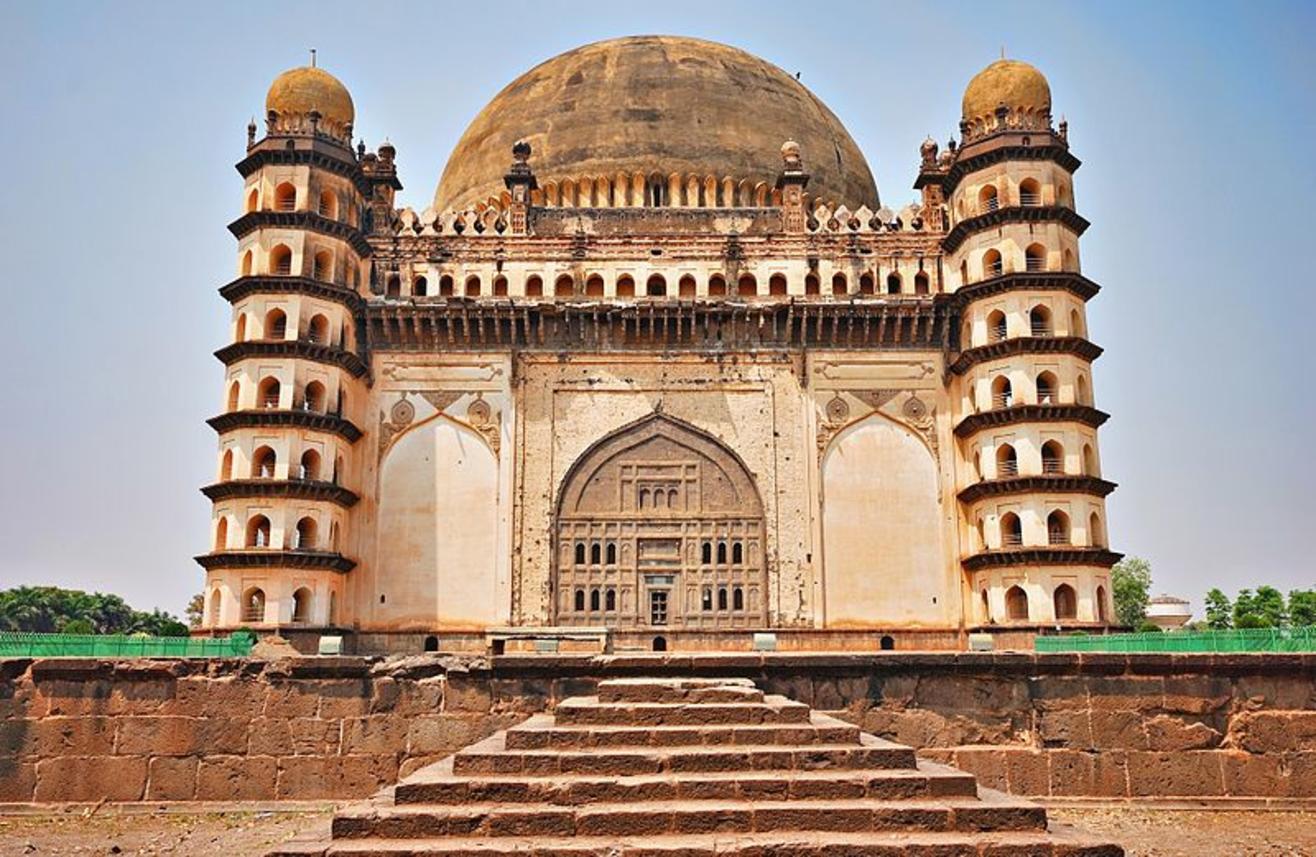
(866, 284)
(281, 261)
(921, 283)
(1030, 192)
(420, 287)
(660, 644)
(221, 534)
(216, 606)
(839, 285)
(1046, 388)
(276, 324)
(596, 554)
(992, 266)
(738, 598)
(580, 600)
(473, 286)
(893, 285)
(534, 287)
(263, 463)
(580, 553)
(253, 200)
(811, 284)
(706, 556)
(1076, 324)
(253, 605)
(1057, 528)
(317, 330)
(305, 536)
(986, 608)
(446, 286)
(500, 286)
(737, 553)
(226, 466)
(1067, 261)
(996, 329)
(610, 555)
(987, 199)
(687, 286)
(1089, 461)
(887, 643)
(393, 286)
(258, 532)
(431, 643)
(269, 394)
(285, 197)
(747, 286)
(594, 603)
(1065, 601)
(1007, 462)
(721, 553)
(333, 608)
(1016, 604)
(717, 286)
(333, 536)
(1081, 391)
(1096, 533)
(656, 287)
(301, 606)
(1002, 392)
(1101, 604)
(234, 392)
(564, 286)
(1012, 531)
(246, 263)
(1035, 258)
(964, 272)
(314, 399)
(777, 285)
(308, 469)
(1053, 458)
(594, 286)
(328, 205)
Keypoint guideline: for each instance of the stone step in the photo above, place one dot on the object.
(491, 756)
(679, 690)
(589, 710)
(436, 784)
(662, 818)
(543, 731)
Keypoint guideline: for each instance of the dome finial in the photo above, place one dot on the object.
(313, 56)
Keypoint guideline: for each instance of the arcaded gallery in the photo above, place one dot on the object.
(657, 369)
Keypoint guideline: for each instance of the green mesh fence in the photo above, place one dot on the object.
(1245, 640)
(17, 645)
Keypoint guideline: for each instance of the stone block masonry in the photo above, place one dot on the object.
(1104, 725)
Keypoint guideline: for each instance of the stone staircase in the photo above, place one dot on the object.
(686, 768)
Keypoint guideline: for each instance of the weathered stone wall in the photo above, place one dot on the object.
(1062, 725)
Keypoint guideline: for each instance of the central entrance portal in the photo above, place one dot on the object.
(660, 525)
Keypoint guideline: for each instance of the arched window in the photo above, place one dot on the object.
(580, 601)
(534, 287)
(276, 324)
(996, 329)
(982, 535)
(921, 283)
(992, 266)
(328, 205)
(306, 534)
(777, 285)
(1096, 533)
(594, 599)
(737, 553)
(610, 556)
(596, 553)
(1016, 604)
(221, 534)
(258, 532)
(610, 599)
(317, 330)
(1065, 601)
(431, 643)
(887, 643)
(500, 286)
(1012, 532)
(285, 197)
(721, 553)
(226, 466)
(839, 285)
(247, 258)
(393, 286)
(564, 286)
(253, 605)
(234, 391)
(656, 287)
(314, 399)
(747, 286)
(420, 287)
(721, 598)
(263, 462)
(580, 553)
(301, 606)
(216, 605)
(594, 286)
(1053, 458)
(1057, 528)
(1046, 389)
(625, 286)
(717, 285)
(811, 285)
(738, 598)
(687, 287)
(1081, 391)
(309, 469)
(1090, 461)
(445, 285)
(281, 261)
(1030, 192)
(706, 555)
(893, 284)
(659, 644)
(473, 286)
(253, 200)
(986, 608)
(987, 200)
(1035, 258)
(1007, 462)
(706, 599)
(1002, 392)
(1101, 604)
(866, 284)
(1076, 324)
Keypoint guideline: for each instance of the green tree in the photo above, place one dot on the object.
(1146, 626)
(196, 610)
(1269, 603)
(1302, 606)
(47, 609)
(1218, 610)
(77, 626)
(1130, 582)
(1247, 614)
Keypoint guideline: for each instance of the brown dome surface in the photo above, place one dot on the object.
(1013, 83)
(301, 90)
(663, 104)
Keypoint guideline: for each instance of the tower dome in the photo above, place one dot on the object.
(656, 104)
(1016, 84)
(299, 91)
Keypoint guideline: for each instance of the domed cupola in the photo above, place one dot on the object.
(1014, 85)
(300, 94)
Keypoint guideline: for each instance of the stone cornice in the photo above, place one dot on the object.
(1013, 214)
(1074, 345)
(1042, 555)
(1069, 281)
(1050, 483)
(300, 349)
(345, 166)
(1084, 414)
(289, 489)
(265, 558)
(309, 220)
(266, 418)
(986, 151)
(244, 287)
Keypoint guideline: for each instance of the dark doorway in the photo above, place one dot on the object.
(431, 643)
(888, 643)
(660, 644)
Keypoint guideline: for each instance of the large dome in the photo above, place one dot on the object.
(662, 104)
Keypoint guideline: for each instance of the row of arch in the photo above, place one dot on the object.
(279, 263)
(252, 606)
(327, 203)
(1028, 195)
(1041, 323)
(314, 397)
(638, 190)
(1064, 604)
(265, 462)
(305, 536)
(1053, 460)
(275, 329)
(1058, 531)
(1036, 259)
(1046, 389)
(721, 553)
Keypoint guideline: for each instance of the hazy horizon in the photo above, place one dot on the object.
(126, 119)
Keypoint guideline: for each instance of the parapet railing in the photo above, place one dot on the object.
(28, 645)
(1302, 639)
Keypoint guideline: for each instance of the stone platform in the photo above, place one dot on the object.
(687, 767)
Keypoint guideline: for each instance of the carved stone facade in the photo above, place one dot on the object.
(670, 394)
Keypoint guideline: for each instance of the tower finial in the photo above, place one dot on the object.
(1002, 52)
(313, 57)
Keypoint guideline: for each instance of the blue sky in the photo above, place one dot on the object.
(123, 122)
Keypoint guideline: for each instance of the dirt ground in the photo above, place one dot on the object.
(1143, 832)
